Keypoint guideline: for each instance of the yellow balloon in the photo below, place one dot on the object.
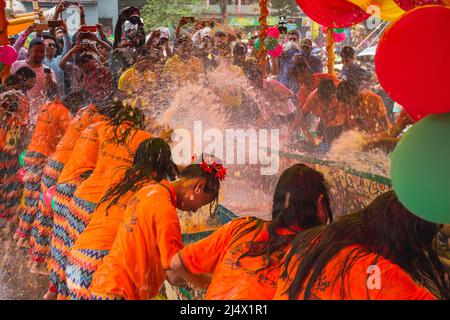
(388, 10)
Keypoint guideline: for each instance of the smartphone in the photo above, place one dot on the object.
(54, 23)
(88, 29)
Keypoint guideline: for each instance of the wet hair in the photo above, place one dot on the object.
(347, 52)
(212, 185)
(298, 66)
(345, 90)
(151, 162)
(326, 90)
(25, 73)
(121, 112)
(74, 101)
(386, 228)
(83, 57)
(294, 207)
(239, 49)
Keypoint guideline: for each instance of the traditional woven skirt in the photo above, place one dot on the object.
(34, 164)
(43, 224)
(81, 266)
(105, 296)
(78, 217)
(62, 198)
(10, 186)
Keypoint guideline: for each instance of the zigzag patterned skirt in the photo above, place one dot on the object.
(43, 224)
(10, 186)
(34, 163)
(63, 195)
(81, 266)
(105, 296)
(77, 219)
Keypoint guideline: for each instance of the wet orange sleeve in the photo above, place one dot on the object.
(168, 234)
(203, 256)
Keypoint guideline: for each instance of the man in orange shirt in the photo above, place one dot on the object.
(244, 255)
(370, 254)
(52, 122)
(364, 109)
(149, 234)
(152, 164)
(308, 82)
(42, 226)
(322, 103)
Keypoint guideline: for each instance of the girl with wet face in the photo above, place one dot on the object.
(150, 234)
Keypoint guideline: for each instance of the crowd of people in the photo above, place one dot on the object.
(101, 191)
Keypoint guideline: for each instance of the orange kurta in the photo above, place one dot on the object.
(112, 161)
(51, 124)
(79, 123)
(361, 282)
(147, 239)
(330, 114)
(371, 110)
(84, 155)
(102, 228)
(218, 255)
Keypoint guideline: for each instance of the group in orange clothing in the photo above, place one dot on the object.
(51, 124)
(244, 256)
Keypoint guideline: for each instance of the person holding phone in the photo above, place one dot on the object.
(51, 59)
(45, 83)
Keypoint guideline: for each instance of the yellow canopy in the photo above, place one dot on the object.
(389, 10)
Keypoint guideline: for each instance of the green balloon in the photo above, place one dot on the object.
(53, 204)
(339, 30)
(257, 44)
(21, 158)
(420, 169)
(270, 43)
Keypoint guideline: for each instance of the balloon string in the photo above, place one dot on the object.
(330, 50)
(263, 13)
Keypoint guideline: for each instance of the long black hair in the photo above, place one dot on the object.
(152, 161)
(212, 185)
(294, 207)
(121, 112)
(385, 227)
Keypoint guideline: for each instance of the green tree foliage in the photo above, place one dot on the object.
(167, 13)
(283, 7)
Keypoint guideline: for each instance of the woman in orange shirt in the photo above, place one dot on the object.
(152, 164)
(78, 167)
(149, 234)
(382, 252)
(14, 109)
(42, 226)
(244, 255)
(51, 124)
(118, 140)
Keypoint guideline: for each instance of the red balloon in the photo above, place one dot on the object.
(412, 62)
(411, 4)
(333, 13)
